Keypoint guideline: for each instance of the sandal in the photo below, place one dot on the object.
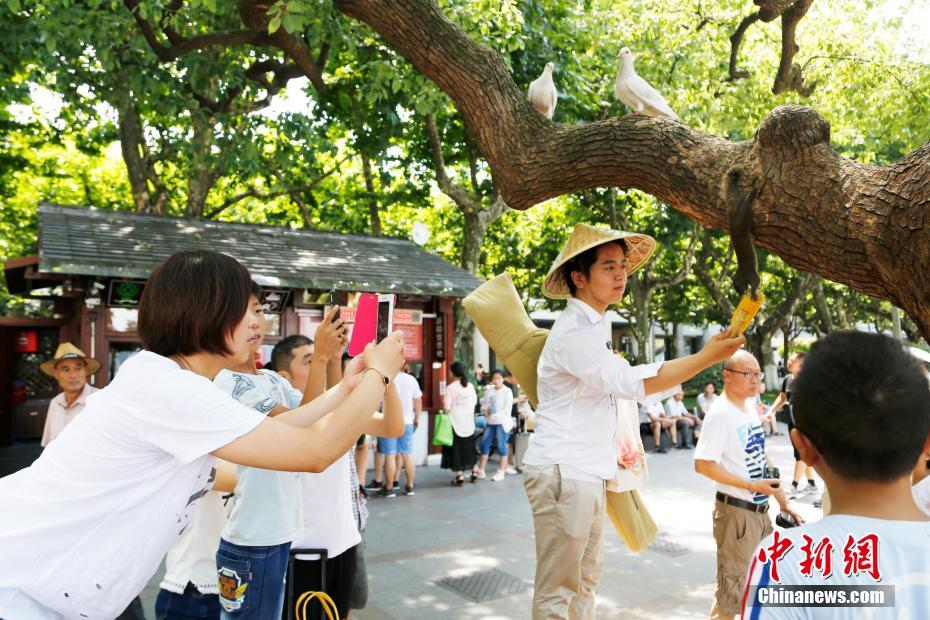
(474, 476)
(458, 481)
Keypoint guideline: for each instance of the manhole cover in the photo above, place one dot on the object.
(485, 585)
(666, 547)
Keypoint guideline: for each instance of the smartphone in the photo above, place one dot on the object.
(374, 320)
(772, 473)
(385, 316)
(332, 302)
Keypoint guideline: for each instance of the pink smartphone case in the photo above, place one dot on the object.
(366, 323)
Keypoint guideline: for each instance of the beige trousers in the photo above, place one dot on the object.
(568, 516)
(737, 532)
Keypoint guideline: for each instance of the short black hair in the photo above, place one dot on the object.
(499, 371)
(583, 262)
(283, 353)
(256, 290)
(864, 403)
(192, 303)
(706, 383)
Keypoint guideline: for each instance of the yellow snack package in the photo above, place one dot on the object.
(745, 312)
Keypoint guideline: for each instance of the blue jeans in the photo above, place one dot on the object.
(490, 433)
(191, 604)
(251, 580)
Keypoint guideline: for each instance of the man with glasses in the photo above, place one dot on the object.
(732, 454)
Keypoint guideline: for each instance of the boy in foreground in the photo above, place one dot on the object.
(862, 416)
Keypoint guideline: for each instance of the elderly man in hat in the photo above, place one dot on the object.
(573, 454)
(71, 368)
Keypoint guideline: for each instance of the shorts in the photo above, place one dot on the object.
(397, 445)
(491, 433)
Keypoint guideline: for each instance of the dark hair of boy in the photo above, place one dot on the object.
(498, 371)
(192, 303)
(256, 290)
(458, 369)
(583, 262)
(864, 403)
(283, 353)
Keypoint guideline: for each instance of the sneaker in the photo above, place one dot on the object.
(810, 488)
(409, 491)
(498, 476)
(481, 475)
(385, 492)
(511, 471)
(661, 450)
(362, 491)
(374, 485)
(818, 503)
(794, 492)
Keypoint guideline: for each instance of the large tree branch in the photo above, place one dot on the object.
(684, 270)
(465, 201)
(789, 76)
(862, 225)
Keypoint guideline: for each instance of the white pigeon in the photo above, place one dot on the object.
(636, 92)
(542, 93)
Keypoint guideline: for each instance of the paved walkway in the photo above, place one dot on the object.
(444, 531)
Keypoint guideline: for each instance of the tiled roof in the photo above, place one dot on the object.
(126, 244)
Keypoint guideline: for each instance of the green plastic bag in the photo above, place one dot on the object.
(442, 430)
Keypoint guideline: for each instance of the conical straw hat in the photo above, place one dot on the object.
(639, 248)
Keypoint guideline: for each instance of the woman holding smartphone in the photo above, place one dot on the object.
(83, 528)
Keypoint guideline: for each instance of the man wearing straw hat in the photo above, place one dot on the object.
(573, 454)
(71, 368)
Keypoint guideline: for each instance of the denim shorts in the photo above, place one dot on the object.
(251, 580)
(397, 445)
(492, 432)
(191, 604)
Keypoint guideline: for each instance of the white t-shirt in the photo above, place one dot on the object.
(328, 520)
(903, 561)
(675, 407)
(460, 401)
(704, 403)
(407, 389)
(192, 558)
(499, 403)
(732, 436)
(83, 529)
(265, 509)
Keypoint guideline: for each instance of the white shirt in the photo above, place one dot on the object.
(84, 528)
(579, 378)
(498, 404)
(675, 408)
(921, 493)
(60, 414)
(408, 390)
(328, 520)
(192, 559)
(903, 561)
(732, 436)
(704, 403)
(266, 508)
(459, 403)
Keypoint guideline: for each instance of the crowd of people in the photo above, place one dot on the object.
(250, 481)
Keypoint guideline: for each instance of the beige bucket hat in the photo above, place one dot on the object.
(585, 236)
(67, 351)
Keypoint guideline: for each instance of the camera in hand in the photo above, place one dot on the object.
(785, 520)
(772, 473)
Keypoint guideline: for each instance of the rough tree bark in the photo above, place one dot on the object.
(789, 75)
(374, 213)
(149, 194)
(862, 225)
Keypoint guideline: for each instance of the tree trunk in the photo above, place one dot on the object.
(374, 214)
(858, 224)
(642, 319)
(205, 168)
(131, 139)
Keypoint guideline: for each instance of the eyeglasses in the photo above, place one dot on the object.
(751, 375)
